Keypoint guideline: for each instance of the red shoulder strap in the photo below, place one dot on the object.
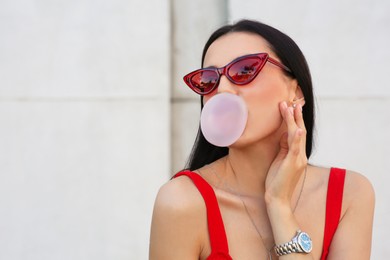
(216, 228)
(334, 202)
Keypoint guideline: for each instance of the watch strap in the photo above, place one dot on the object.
(289, 247)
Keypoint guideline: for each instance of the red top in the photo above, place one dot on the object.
(218, 240)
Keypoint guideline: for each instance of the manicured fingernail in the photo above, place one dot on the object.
(300, 107)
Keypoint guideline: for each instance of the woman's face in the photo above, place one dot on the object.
(263, 95)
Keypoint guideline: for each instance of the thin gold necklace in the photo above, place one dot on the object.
(246, 208)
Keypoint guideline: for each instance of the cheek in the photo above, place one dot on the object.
(265, 100)
(264, 116)
(207, 97)
(263, 105)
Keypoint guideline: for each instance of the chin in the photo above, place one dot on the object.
(247, 140)
(244, 142)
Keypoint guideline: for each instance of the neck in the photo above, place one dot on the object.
(248, 166)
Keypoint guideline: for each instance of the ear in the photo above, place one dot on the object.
(296, 95)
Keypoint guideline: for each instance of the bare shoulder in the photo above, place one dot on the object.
(356, 184)
(350, 242)
(179, 221)
(358, 190)
(179, 196)
(358, 181)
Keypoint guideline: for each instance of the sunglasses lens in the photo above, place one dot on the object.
(204, 81)
(245, 70)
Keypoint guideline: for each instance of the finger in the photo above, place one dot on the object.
(299, 117)
(288, 117)
(283, 147)
(288, 114)
(300, 123)
(295, 158)
(295, 146)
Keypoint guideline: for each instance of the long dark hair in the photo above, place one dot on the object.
(290, 55)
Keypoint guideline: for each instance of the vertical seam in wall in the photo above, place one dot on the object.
(226, 10)
(171, 73)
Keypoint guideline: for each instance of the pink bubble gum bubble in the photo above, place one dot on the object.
(223, 119)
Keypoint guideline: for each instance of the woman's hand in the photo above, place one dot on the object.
(290, 162)
(283, 176)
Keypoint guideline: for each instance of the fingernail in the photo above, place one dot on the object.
(300, 107)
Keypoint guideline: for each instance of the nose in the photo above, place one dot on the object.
(225, 86)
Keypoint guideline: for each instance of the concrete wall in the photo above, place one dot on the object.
(94, 115)
(190, 30)
(84, 126)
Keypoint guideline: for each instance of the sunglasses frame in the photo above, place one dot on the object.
(264, 57)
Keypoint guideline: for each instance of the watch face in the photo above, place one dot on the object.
(305, 242)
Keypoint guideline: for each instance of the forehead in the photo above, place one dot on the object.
(233, 45)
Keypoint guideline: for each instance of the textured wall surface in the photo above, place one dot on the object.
(84, 126)
(346, 45)
(190, 30)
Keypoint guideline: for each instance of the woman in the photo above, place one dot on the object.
(259, 198)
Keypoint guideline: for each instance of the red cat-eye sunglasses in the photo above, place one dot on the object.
(240, 71)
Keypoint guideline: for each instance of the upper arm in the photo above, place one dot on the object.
(177, 217)
(352, 239)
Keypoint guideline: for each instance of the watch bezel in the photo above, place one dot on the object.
(301, 242)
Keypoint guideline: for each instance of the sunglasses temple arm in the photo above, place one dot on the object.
(280, 65)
